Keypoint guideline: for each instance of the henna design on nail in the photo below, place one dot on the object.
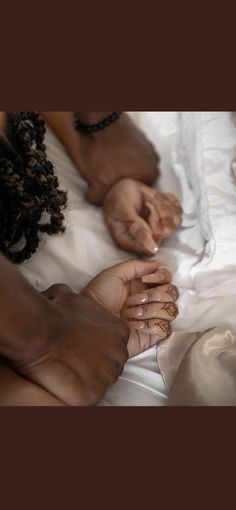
(173, 292)
(171, 309)
(163, 325)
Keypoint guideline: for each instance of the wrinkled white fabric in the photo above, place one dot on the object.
(196, 150)
(206, 375)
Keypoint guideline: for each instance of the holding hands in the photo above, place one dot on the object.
(141, 294)
(120, 165)
(122, 312)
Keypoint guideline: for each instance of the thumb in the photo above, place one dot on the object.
(132, 269)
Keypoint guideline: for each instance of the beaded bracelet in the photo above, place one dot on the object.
(93, 128)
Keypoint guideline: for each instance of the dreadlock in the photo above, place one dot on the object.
(30, 201)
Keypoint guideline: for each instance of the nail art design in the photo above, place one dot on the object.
(163, 325)
(173, 292)
(171, 309)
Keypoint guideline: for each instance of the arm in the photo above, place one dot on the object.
(24, 315)
(103, 158)
(147, 302)
(118, 163)
(62, 125)
(64, 342)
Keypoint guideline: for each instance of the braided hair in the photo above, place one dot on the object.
(30, 201)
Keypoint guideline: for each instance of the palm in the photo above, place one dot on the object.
(110, 291)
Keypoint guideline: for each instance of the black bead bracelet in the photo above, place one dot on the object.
(93, 128)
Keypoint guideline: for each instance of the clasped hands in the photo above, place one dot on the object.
(120, 164)
(126, 309)
(122, 312)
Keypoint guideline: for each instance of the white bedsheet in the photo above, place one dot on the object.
(188, 143)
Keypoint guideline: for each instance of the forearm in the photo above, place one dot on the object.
(62, 125)
(23, 317)
(108, 155)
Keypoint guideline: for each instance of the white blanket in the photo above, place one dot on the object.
(196, 149)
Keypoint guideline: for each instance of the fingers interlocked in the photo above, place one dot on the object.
(153, 310)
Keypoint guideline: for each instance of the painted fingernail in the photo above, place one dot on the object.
(151, 247)
(148, 243)
(154, 278)
(136, 324)
(137, 299)
(133, 313)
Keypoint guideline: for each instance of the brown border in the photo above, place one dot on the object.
(137, 60)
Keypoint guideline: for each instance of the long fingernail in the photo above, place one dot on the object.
(137, 299)
(150, 244)
(133, 313)
(136, 325)
(151, 247)
(154, 278)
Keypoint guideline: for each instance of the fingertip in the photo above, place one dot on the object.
(148, 242)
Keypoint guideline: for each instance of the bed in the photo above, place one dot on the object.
(196, 365)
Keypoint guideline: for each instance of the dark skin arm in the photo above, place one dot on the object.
(118, 163)
(119, 151)
(140, 292)
(64, 342)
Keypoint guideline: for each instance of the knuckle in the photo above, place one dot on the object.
(63, 288)
(79, 398)
(105, 179)
(120, 369)
(93, 394)
(123, 356)
(110, 374)
(123, 331)
(58, 290)
(154, 171)
(151, 310)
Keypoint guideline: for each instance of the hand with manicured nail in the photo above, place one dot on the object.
(142, 294)
(140, 217)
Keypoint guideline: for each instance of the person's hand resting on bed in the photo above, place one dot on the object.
(142, 294)
(87, 350)
(103, 158)
(140, 218)
(115, 153)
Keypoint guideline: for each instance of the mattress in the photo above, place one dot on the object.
(196, 150)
